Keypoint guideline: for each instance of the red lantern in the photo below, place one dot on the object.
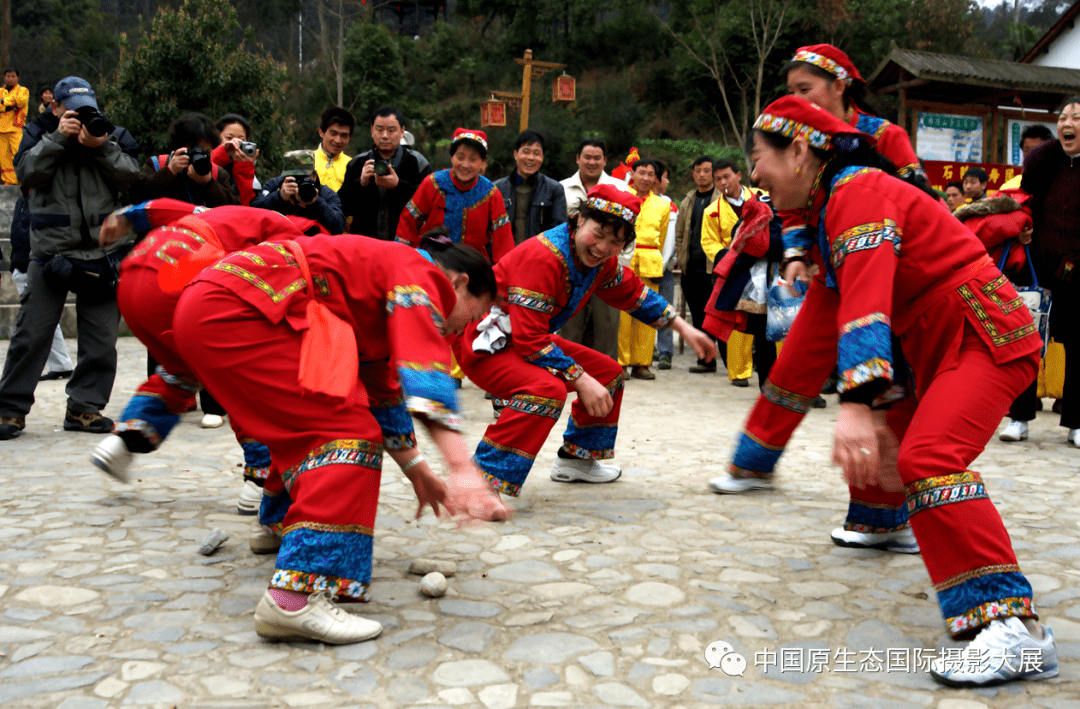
(492, 113)
(563, 90)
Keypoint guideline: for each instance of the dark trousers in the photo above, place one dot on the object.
(1064, 330)
(696, 288)
(599, 320)
(91, 381)
(764, 351)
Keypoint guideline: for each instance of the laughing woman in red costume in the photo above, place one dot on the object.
(895, 266)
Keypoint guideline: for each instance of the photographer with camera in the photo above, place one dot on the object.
(74, 176)
(380, 182)
(237, 154)
(186, 172)
(298, 191)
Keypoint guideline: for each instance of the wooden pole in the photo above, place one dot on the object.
(526, 89)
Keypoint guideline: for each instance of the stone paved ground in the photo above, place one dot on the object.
(590, 596)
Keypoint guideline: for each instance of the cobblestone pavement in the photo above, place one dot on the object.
(591, 596)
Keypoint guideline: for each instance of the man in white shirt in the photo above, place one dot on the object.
(597, 318)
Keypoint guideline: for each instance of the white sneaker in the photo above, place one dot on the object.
(729, 485)
(1015, 431)
(901, 541)
(112, 456)
(212, 421)
(250, 498)
(568, 470)
(1003, 651)
(1074, 437)
(321, 619)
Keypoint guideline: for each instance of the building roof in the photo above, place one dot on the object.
(948, 78)
(1065, 22)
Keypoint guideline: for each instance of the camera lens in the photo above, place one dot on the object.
(381, 168)
(200, 161)
(248, 148)
(307, 191)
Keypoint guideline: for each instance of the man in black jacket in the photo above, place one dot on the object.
(381, 181)
(286, 194)
(534, 202)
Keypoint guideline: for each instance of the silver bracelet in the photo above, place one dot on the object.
(412, 463)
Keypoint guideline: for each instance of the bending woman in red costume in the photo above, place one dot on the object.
(280, 331)
(173, 231)
(892, 261)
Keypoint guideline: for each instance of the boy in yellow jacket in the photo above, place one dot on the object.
(14, 99)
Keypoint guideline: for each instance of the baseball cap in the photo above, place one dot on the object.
(74, 93)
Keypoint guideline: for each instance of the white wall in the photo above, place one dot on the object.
(1064, 51)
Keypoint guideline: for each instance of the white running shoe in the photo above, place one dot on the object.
(1074, 437)
(569, 470)
(1003, 651)
(212, 421)
(1015, 431)
(249, 499)
(901, 541)
(729, 485)
(321, 619)
(112, 456)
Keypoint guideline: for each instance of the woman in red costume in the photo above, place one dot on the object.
(148, 292)
(280, 330)
(462, 199)
(893, 262)
(529, 370)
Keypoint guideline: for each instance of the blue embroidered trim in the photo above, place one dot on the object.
(256, 460)
(873, 518)
(148, 417)
(508, 466)
(273, 509)
(533, 405)
(396, 425)
(138, 216)
(438, 386)
(458, 202)
(940, 490)
(865, 237)
(976, 597)
(753, 456)
(313, 560)
(652, 309)
(590, 442)
(865, 351)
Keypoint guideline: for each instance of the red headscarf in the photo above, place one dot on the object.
(830, 59)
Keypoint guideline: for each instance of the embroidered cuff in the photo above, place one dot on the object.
(553, 359)
(434, 411)
(865, 352)
(652, 309)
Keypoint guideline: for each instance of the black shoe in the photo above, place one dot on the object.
(819, 403)
(53, 376)
(665, 363)
(11, 427)
(829, 387)
(741, 383)
(703, 368)
(87, 423)
(1056, 408)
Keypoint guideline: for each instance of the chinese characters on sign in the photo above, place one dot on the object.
(946, 137)
(941, 173)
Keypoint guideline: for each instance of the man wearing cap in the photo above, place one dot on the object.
(14, 99)
(74, 179)
(462, 199)
(283, 194)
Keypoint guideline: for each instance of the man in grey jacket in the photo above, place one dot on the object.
(534, 202)
(75, 180)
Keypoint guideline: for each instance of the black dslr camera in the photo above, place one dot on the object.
(95, 124)
(307, 189)
(381, 168)
(200, 160)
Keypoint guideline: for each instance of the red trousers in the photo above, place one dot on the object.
(158, 402)
(533, 399)
(328, 451)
